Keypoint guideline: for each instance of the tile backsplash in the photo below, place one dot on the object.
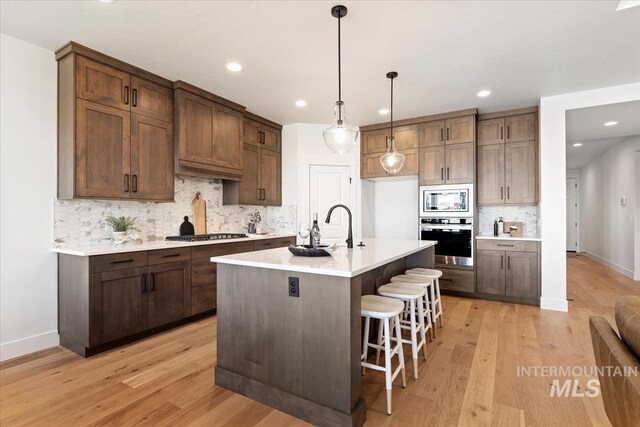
(82, 222)
(528, 215)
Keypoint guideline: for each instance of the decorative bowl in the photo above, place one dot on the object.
(308, 250)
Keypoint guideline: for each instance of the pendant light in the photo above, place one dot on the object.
(393, 161)
(340, 137)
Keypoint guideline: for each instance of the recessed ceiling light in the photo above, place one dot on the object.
(383, 111)
(234, 66)
(483, 93)
(106, 1)
(577, 144)
(612, 123)
(301, 103)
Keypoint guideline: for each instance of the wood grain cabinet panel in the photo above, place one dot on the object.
(372, 168)
(490, 184)
(374, 141)
(460, 163)
(251, 133)
(460, 130)
(432, 165)
(271, 178)
(490, 270)
(491, 131)
(520, 128)
(250, 189)
(520, 172)
(271, 139)
(102, 84)
(102, 156)
(151, 100)
(118, 304)
(432, 133)
(168, 293)
(151, 159)
(522, 274)
(406, 137)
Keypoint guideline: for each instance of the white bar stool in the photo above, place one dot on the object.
(428, 296)
(436, 304)
(387, 311)
(413, 295)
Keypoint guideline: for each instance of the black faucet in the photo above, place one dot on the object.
(350, 236)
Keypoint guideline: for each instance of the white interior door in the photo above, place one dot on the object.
(328, 186)
(572, 217)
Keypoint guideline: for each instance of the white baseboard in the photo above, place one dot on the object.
(12, 349)
(636, 276)
(612, 265)
(554, 304)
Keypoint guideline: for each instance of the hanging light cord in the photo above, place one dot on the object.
(339, 62)
(391, 123)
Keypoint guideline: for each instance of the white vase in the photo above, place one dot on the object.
(119, 235)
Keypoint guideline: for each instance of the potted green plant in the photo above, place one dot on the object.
(121, 226)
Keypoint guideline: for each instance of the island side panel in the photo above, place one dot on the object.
(306, 346)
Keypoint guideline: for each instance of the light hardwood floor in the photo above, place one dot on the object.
(470, 377)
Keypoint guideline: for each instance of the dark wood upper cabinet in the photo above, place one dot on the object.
(521, 127)
(208, 134)
(491, 131)
(271, 177)
(151, 159)
(101, 164)
(250, 189)
(115, 129)
(103, 84)
(271, 138)
(251, 133)
(432, 133)
(151, 99)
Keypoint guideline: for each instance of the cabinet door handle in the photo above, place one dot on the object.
(509, 132)
(508, 192)
(153, 282)
(121, 261)
(135, 183)
(259, 194)
(508, 262)
(447, 173)
(447, 134)
(501, 262)
(501, 192)
(126, 95)
(441, 174)
(170, 256)
(441, 134)
(126, 182)
(264, 195)
(143, 282)
(501, 132)
(135, 97)
(506, 246)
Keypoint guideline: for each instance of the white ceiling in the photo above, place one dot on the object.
(444, 51)
(586, 126)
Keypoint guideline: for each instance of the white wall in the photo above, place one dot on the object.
(28, 277)
(637, 218)
(396, 208)
(302, 146)
(552, 178)
(607, 228)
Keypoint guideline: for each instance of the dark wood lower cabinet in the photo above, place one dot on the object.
(105, 300)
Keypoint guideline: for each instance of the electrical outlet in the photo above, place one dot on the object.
(294, 287)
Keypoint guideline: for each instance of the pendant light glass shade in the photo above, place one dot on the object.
(393, 161)
(340, 137)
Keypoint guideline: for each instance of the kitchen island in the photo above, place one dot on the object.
(289, 328)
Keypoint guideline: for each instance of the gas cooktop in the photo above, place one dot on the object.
(204, 237)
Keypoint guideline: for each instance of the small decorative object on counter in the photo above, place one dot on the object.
(254, 221)
(199, 214)
(186, 228)
(495, 227)
(501, 227)
(315, 232)
(121, 226)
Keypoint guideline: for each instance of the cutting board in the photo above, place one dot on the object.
(518, 232)
(199, 214)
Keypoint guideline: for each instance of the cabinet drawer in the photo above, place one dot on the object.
(169, 255)
(457, 280)
(507, 245)
(118, 261)
(220, 249)
(203, 271)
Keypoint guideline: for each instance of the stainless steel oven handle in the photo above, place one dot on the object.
(446, 227)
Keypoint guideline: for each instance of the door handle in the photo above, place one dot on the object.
(509, 132)
(501, 132)
(143, 282)
(508, 262)
(508, 192)
(441, 134)
(153, 282)
(264, 196)
(447, 134)
(447, 173)
(170, 255)
(441, 174)
(259, 194)
(121, 261)
(501, 192)
(135, 97)
(126, 95)
(135, 183)
(126, 182)
(506, 246)
(501, 262)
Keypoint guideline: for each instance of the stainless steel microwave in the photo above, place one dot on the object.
(454, 201)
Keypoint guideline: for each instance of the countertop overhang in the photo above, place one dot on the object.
(154, 245)
(342, 263)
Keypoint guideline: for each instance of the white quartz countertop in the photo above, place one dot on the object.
(157, 244)
(507, 237)
(343, 262)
